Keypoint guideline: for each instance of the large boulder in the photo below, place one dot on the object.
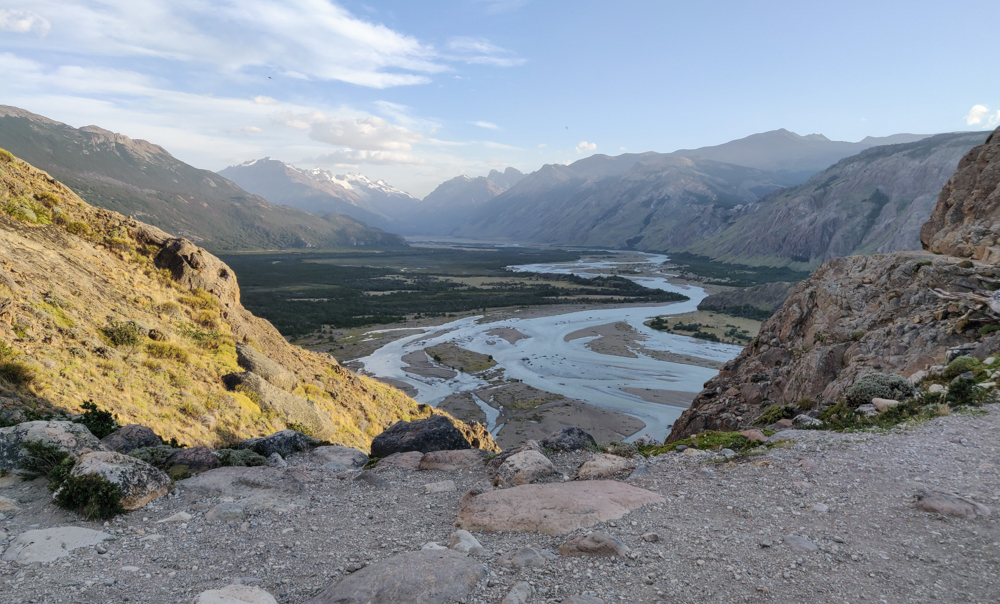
(193, 460)
(131, 437)
(555, 508)
(422, 577)
(283, 443)
(46, 545)
(336, 457)
(291, 408)
(569, 438)
(523, 468)
(603, 465)
(436, 433)
(70, 437)
(251, 359)
(138, 481)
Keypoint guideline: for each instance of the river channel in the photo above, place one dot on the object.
(547, 361)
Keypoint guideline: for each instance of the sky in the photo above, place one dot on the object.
(419, 92)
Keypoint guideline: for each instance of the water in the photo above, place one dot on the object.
(546, 361)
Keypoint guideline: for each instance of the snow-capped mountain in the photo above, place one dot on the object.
(321, 192)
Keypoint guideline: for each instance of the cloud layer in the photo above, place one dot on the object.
(585, 146)
(979, 115)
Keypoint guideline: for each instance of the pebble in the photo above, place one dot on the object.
(178, 517)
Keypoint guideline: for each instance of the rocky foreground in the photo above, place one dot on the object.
(889, 517)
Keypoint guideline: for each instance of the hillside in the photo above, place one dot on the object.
(143, 180)
(455, 200)
(872, 202)
(898, 313)
(797, 156)
(98, 306)
(320, 192)
(647, 201)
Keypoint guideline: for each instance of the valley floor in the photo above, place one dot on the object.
(829, 518)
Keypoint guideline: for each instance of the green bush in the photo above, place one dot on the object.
(121, 334)
(775, 413)
(39, 458)
(959, 366)
(80, 229)
(963, 391)
(6, 156)
(92, 495)
(155, 456)
(240, 457)
(16, 373)
(878, 385)
(100, 423)
(168, 351)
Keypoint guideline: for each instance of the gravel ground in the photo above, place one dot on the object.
(723, 531)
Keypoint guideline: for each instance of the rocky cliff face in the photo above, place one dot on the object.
(97, 306)
(966, 221)
(866, 313)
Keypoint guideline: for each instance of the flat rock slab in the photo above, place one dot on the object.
(236, 594)
(603, 465)
(409, 460)
(554, 508)
(448, 461)
(345, 456)
(950, 504)
(46, 545)
(423, 577)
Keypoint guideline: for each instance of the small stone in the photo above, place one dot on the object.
(987, 385)
(275, 460)
(593, 544)
(236, 594)
(804, 421)
(130, 569)
(950, 504)
(464, 542)
(822, 508)
(681, 448)
(226, 512)
(936, 389)
(178, 517)
(651, 537)
(639, 473)
(884, 404)
(100, 549)
(527, 557)
(800, 544)
(445, 486)
(8, 505)
(728, 453)
(766, 544)
(753, 436)
(603, 465)
(520, 594)
(345, 457)
(867, 410)
(524, 467)
(409, 460)
(692, 452)
(432, 545)
(369, 478)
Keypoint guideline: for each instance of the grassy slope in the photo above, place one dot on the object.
(59, 291)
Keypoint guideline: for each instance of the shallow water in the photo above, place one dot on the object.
(546, 361)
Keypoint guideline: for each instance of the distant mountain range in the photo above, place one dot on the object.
(320, 191)
(142, 179)
(873, 202)
(455, 200)
(791, 154)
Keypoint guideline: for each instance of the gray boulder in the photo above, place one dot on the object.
(436, 433)
(131, 437)
(429, 576)
(255, 361)
(193, 460)
(138, 481)
(283, 443)
(70, 437)
(345, 457)
(569, 438)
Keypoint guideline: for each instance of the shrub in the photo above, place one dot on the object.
(169, 308)
(167, 350)
(207, 319)
(6, 156)
(40, 458)
(200, 300)
(49, 200)
(878, 385)
(959, 366)
(240, 457)
(155, 456)
(100, 423)
(80, 229)
(963, 391)
(16, 373)
(775, 413)
(92, 495)
(121, 334)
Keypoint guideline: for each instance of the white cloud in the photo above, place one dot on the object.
(622, 149)
(541, 145)
(23, 22)
(313, 39)
(348, 158)
(585, 146)
(357, 132)
(247, 130)
(264, 100)
(482, 52)
(489, 125)
(976, 115)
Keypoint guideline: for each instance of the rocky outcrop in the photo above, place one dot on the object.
(866, 314)
(257, 362)
(966, 221)
(283, 443)
(70, 437)
(138, 481)
(436, 433)
(131, 437)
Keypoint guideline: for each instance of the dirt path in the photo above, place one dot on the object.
(723, 530)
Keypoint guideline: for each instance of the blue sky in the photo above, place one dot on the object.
(419, 92)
